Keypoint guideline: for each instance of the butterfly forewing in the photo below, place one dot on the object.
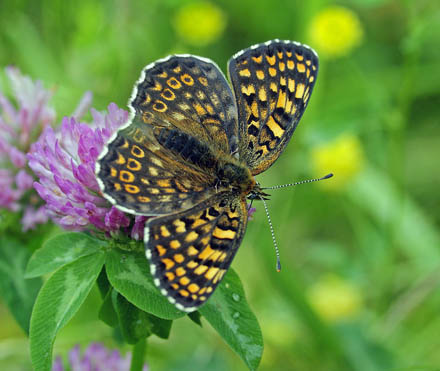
(156, 170)
(193, 93)
(190, 251)
(272, 84)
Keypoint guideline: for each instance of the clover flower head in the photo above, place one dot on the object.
(335, 31)
(95, 358)
(64, 160)
(200, 23)
(343, 156)
(22, 119)
(251, 212)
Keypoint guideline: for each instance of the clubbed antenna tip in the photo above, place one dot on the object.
(327, 176)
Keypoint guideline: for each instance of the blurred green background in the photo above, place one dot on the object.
(359, 289)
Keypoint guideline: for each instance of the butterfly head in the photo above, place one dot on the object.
(258, 194)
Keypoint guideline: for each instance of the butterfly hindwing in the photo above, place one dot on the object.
(193, 94)
(156, 170)
(190, 251)
(272, 84)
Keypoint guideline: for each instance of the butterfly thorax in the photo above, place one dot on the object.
(229, 173)
(233, 175)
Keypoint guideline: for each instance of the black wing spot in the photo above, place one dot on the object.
(174, 64)
(252, 130)
(157, 71)
(190, 64)
(213, 212)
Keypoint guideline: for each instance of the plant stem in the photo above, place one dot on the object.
(139, 352)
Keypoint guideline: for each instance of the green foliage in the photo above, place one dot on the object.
(107, 313)
(59, 299)
(228, 312)
(131, 302)
(134, 323)
(17, 292)
(195, 317)
(60, 251)
(130, 275)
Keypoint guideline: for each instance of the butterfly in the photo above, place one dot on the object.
(190, 151)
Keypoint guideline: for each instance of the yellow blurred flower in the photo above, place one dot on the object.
(200, 23)
(335, 31)
(344, 157)
(335, 299)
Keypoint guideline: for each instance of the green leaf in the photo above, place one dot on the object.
(17, 292)
(195, 317)
(160, 327)
(103, 283)
(129, 274)
(61, 250)
(107, 312)
(137, 324)
(116, 310)
(134, 322)
(59, 299)
(228, 312)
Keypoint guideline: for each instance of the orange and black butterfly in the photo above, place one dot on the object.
(191, 149)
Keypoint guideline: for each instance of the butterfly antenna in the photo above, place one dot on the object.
(277, 251)
(301, 182)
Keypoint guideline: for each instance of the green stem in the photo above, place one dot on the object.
(138, 356)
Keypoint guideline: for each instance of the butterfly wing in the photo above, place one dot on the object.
(190, 251)
(193, 94)
(272, 84)
(156, 170)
